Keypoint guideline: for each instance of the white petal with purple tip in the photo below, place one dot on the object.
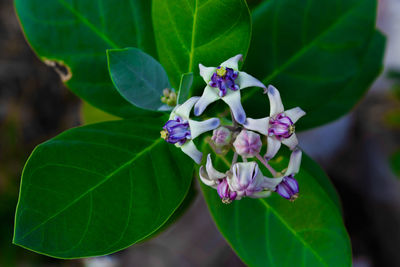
(189, 148)
(258, 125)
(294, 162)
(291, 142)
(271, 183)
(199, 127)
(184, 109)
(209, 95)
(213, 174)
(232, 98)
(295, 114)
(275, 101)
(206, 72)
(232, 62)
(272, 148)
(245, 80)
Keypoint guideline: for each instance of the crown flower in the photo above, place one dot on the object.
(225, 82)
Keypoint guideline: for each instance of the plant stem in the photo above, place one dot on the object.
(263, 161)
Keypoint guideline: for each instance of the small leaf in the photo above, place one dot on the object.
(97, 189)
(138, 77)
(315, 54)
(276, 232)
(184, 87)
(189, 32)
(72, 36)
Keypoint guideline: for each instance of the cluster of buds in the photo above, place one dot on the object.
(243, 135)
(169, 97)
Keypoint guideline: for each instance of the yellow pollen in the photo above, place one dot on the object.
(164, 134)
(221, 71)
(292, 129)
(226, 200)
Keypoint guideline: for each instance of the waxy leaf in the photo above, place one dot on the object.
(73, 37)
(276, 232)
(184, 87)
(96, 189)
(189, 32)
(138, 77)
(314, 53)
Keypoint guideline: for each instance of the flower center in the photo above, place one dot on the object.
(176, 131)
(224, 79)
(281, 126)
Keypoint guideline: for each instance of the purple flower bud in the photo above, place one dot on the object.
(176, 131)
(224, 192)
(224, 79)
(288, 188)
(281, 126)
(247, 144)
(221, 136)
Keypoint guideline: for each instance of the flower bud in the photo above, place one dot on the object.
(169, 97)
(221, 136)
(288, 188)
(247, 144)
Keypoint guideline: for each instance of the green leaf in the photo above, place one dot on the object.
(97, 189)
(73, 37)
(189, 32)
(317, 55)
(276, 232)
(184, 87)
(90, 114)
(395, 163)
(138, 77)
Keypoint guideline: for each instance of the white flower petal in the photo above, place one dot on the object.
(275, 101)
(232, 98)
(184, 109)
(232, 62)
(258, 125)
(245, 80)
(273, 147)
(295, 114)
(199, 127)
(206, 179)
(189, 148)
(291, 142)
(271, 183)
(261, 194)
(294, 162)
(206, 72)
(213, 174)
(209, 95)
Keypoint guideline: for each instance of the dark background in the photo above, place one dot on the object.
(355, 151)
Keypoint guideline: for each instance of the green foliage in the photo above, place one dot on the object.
(76, 34)
(184, 87)
(138, 77)
(277, 232)
(317, 53)
(189, 32)
(99, 188)
(395, 163)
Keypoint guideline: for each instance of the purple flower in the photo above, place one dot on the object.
(247, 144)
(180, 130)
(225, 192)
(221, 136)
(279, 126)
(225, 82)
(288, 186)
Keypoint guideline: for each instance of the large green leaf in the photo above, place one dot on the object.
(73, 36)
(313, 52)
(276, 232)
(189, 32)
(99, 188)
(138, 77)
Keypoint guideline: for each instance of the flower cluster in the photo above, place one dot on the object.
(243, 135)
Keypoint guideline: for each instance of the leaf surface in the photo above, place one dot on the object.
(97, 189)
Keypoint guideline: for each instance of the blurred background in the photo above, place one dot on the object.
(360, 152)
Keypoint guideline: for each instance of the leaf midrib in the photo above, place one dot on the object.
(305, 48)
(106, 178)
